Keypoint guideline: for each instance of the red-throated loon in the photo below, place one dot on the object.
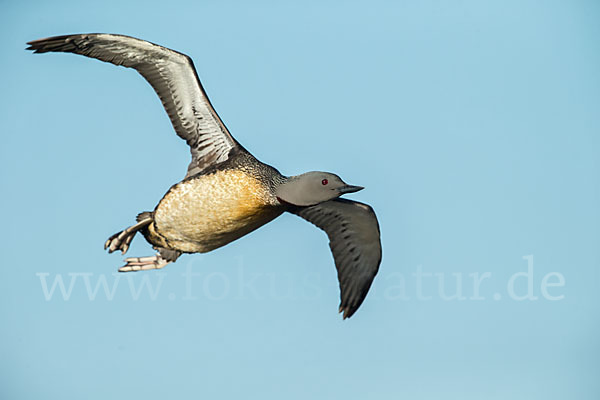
(227, 192)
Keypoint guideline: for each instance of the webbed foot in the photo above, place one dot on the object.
(144, 263)
(121, 240)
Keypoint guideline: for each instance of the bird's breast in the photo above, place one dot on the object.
(209, 211)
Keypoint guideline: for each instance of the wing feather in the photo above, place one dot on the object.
(172, 76)
(354, 239)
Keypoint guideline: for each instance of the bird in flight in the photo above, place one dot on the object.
(227, 192)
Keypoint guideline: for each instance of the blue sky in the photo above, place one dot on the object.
(473, 126)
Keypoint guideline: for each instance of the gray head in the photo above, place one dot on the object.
(313, 188)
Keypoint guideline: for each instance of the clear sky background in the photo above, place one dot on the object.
(473, 125)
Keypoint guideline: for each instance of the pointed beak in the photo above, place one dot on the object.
(349, 189)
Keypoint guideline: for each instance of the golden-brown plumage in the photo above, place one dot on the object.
(209, 211)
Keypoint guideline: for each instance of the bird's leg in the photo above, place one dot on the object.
(121, 240)
(144, 263)
(163, 258)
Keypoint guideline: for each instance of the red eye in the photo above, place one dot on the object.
(324, 182)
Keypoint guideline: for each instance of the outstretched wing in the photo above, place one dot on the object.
(174, 79)
(353, 233)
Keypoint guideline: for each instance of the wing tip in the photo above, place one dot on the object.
(347, 311)
(44, 45)
(59, 43)
(34, 45)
